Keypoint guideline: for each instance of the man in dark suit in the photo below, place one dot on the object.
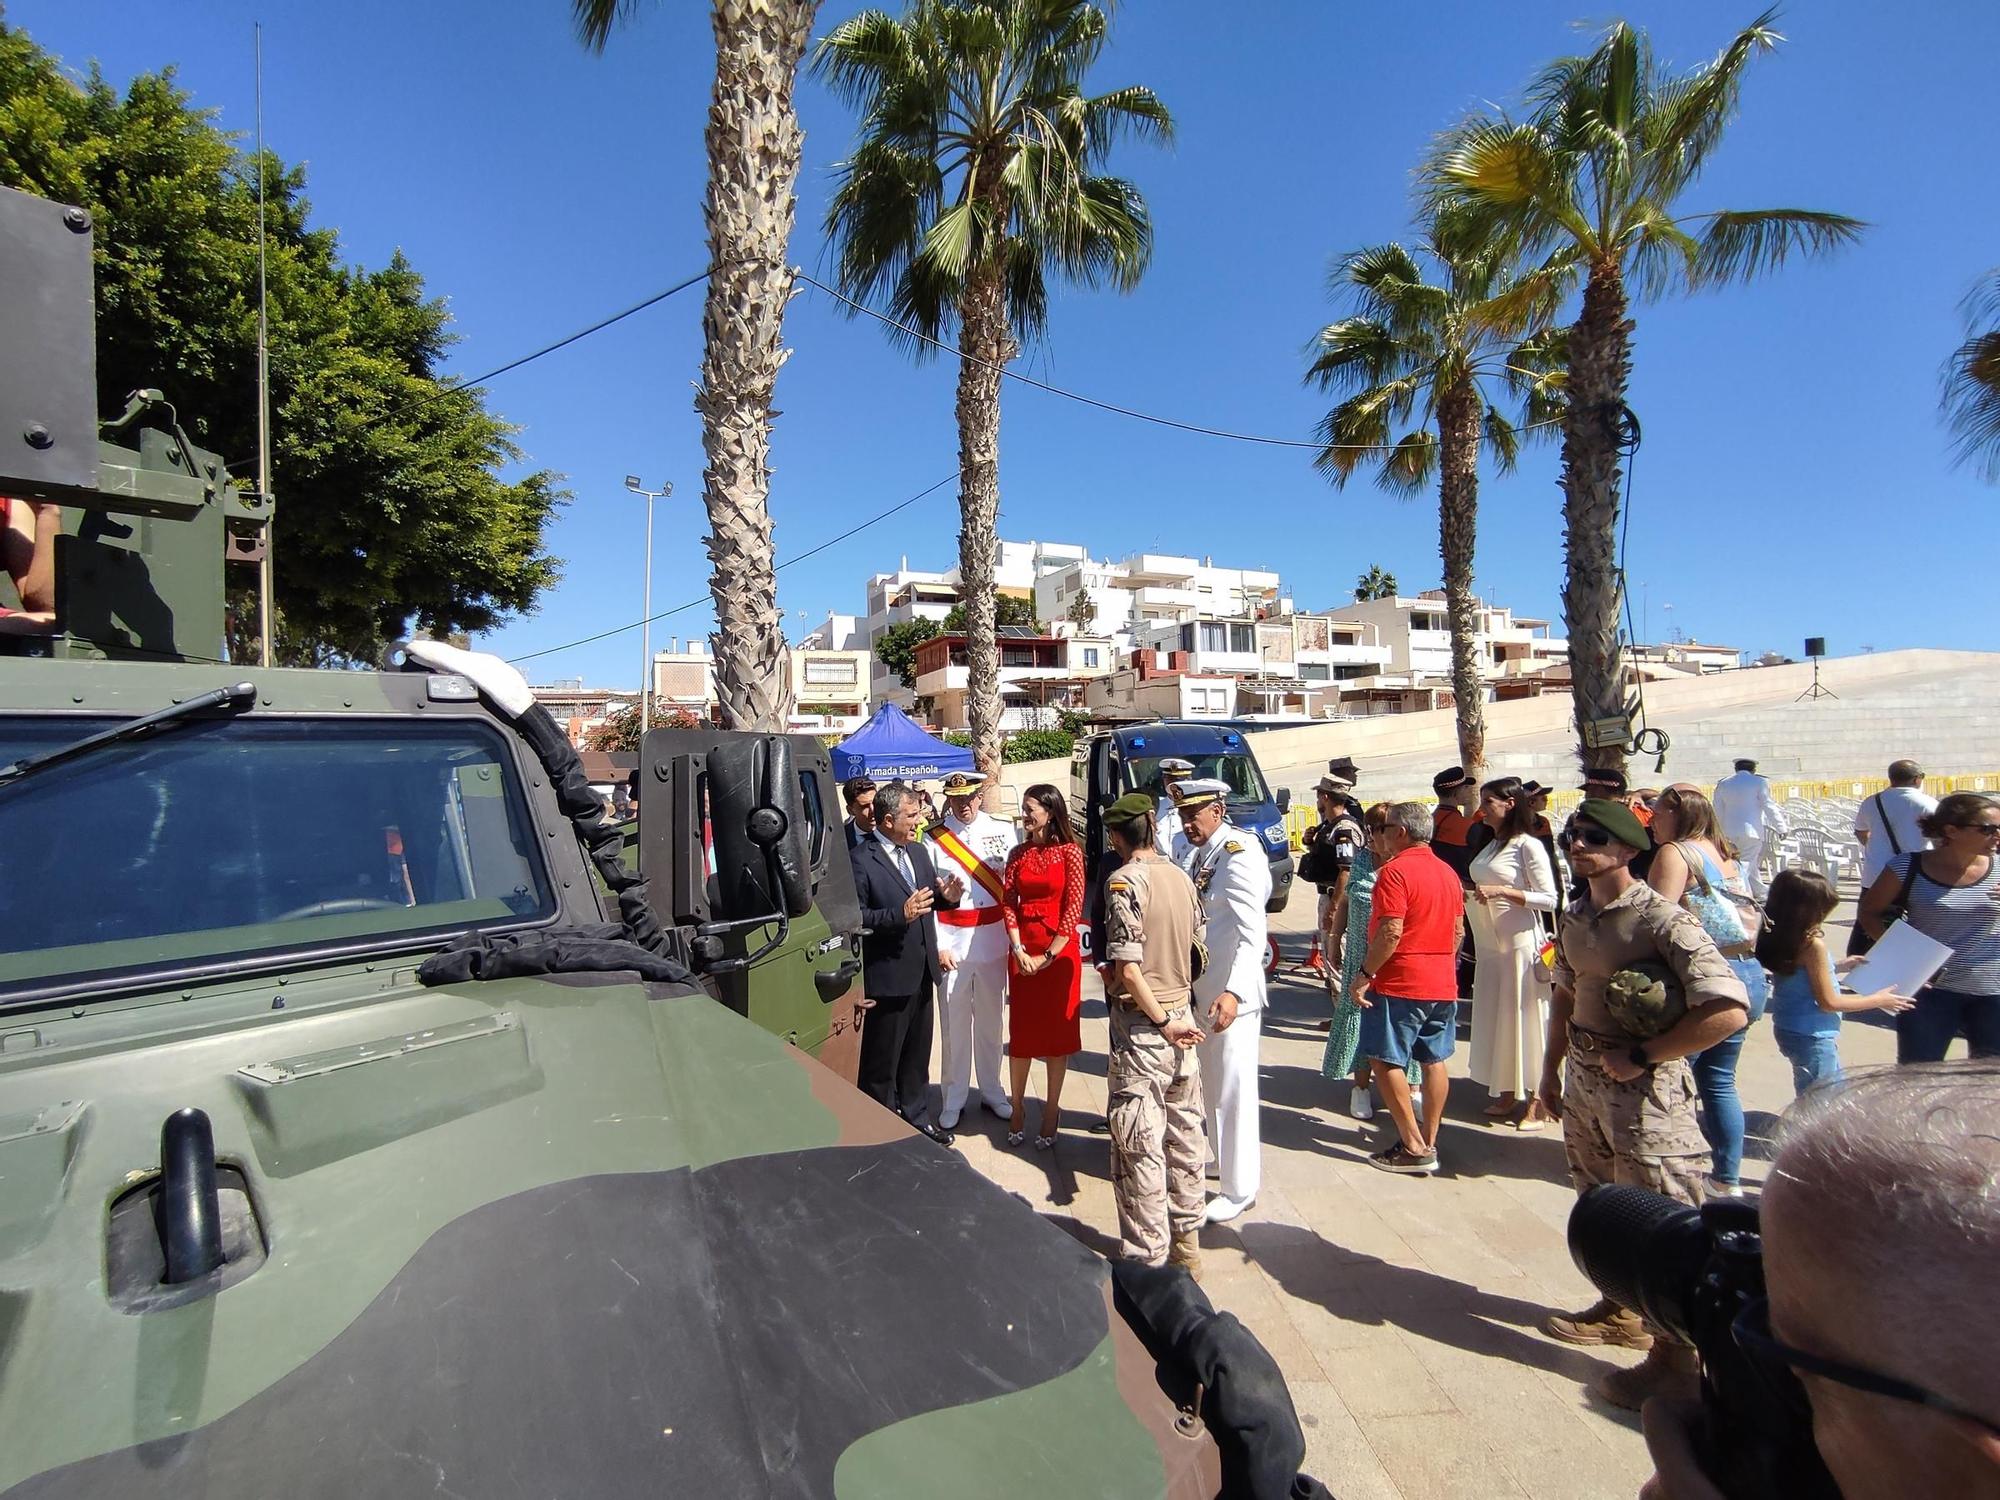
(858, 792)
(900, 968)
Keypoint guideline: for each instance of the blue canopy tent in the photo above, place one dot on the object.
(891, 745)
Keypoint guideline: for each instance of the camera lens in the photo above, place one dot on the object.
(1642, 1250)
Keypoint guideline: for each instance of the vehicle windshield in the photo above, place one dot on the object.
(230, 839)
(1246, 782)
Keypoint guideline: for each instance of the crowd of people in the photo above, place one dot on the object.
(1612, 969)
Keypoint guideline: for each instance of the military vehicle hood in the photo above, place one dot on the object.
(553, 1236)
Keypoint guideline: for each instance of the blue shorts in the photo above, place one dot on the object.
(1399, 1031)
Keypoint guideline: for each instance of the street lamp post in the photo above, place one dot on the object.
(646, 629)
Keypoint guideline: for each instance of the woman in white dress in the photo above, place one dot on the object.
(1512, 883)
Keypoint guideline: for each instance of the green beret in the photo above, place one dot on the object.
(1126, 808)
(1618, 820)
(1645, 999)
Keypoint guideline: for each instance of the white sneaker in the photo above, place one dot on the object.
(948, 1120)
(1723, 1189)
(1360, 1103)
(1221, 1210)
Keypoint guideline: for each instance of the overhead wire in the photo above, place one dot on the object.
(456, 387)
(814, 551)
(682, 285)
(918, 334)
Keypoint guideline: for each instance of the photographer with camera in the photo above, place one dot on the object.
(1639, 988)
(1853, 1351)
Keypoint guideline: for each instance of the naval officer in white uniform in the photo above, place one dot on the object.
(1166, 821)
(972, 844)
(1233, 877)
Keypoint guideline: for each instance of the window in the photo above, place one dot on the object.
(1214, 636)
(244, 837)
(1090, 656)
(1017, 656)
(830, 670)
(1314, 671)
(1242, 638)
(1187, 637)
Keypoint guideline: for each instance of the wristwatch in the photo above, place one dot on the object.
(1637, 1056)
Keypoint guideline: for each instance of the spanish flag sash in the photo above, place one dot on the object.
(966, 860)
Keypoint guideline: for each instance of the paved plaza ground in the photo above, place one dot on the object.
(1403, 1310)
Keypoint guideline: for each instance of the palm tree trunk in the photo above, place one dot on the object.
(753, 140)
(1458, 523)
(1600, 362)
(985, 346)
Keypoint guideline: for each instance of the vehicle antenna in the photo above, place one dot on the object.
(264, 570)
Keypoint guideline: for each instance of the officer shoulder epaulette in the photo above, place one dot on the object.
(1232, 846)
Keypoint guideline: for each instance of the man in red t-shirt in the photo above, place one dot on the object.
(1408, 985)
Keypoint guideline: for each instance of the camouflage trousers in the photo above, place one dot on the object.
(1157, 1139)
(1643, 1133)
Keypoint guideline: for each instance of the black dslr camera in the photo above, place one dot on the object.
(1699, 1274)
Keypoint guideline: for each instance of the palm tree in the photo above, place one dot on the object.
(1972, 381)
(1432, 348)
(1599, 167)
(1375, 584)
(973, 180)
(753, 141)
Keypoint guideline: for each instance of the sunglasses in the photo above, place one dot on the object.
(1777, 1361)
(1588, 834)
(1990, 830)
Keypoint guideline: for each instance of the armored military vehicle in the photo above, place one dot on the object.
(357, 1139)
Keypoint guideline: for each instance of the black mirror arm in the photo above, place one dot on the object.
(771, 945)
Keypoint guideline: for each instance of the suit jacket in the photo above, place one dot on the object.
(896, 955)
(854, 835)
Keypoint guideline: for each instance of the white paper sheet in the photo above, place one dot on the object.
(1903, 961)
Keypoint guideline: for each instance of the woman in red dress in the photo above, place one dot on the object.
(1044, 887)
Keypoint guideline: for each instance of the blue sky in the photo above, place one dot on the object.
(1794, 478)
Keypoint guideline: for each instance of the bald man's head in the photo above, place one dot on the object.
(1881, 1234)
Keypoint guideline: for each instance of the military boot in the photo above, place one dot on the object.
(1605, 1322)
(1669, 1369)
(1185, 1252)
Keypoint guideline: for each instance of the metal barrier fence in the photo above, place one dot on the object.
(1300, 820)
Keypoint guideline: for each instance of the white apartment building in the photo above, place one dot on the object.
(916, 594)
(1417, 635)
(836, 633)
(580, 709)
(1128, 598)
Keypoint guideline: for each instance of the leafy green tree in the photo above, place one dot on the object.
(1082, 609)
(1431, 349)
(391, 510)
(897, 648)
(1972, 381)
(753, 141)
(1375, 584)
(1611, 145)
(974, 180)
(1007, 610)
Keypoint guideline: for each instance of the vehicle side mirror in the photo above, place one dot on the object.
(763, 857)
(1284, 799)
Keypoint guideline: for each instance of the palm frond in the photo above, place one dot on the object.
(1659, 255)
(1742, 244)
(596, 19)
(1971, 394)
(1689, 114)
(861, 56)
(1354, 355)
(1503, 439)
(1129, 113)
(1408, 467)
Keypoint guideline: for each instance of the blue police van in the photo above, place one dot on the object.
(1107, 765)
